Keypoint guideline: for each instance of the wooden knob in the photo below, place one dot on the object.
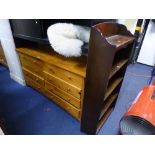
(38, 57)
(37, 79)
(50, 80)
(69, 77)
(68, 89)
(80, 91)
(68, 108)
(68, 99)
(52, 71)
(34, 61)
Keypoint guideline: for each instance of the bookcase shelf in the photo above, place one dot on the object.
(119, 41)
(107, 104)
(110, 46)
(112, 86)
(117, 66)
(104, 118)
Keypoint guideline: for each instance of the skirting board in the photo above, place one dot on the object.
(17, 79)
(1, 132)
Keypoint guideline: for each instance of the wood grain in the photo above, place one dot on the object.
(2, 56)
(64, 95)
(61, 84)
(33, 76)
(74, 65)
(112, 87)
(34, 84)
(65, 75)
(63, 104)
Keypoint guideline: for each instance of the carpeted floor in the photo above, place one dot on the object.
(25, 111)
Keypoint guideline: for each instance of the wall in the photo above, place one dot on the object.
(130, 24)
(10, 52)
(147, 52)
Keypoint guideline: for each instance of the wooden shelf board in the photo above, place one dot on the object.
(112, 87)
(117, 66)
(107, 104)
(104, 118)
(120, 41)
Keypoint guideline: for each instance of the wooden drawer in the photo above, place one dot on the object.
(33, 64)
(65, 75)
(2, 60)
(62, 103)
(2, 56)
(61, 84)
(31, 60)
(34, 84)
(34, 77)
(67, 97)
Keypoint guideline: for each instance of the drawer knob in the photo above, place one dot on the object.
(50, 80)
(68, 108)
(52, 71)
(37, 79)
(68, 89)
(68, 99)
(70, 78)
(80, 91)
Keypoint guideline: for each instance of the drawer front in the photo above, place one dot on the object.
(65, 75)
(31, 60)
(34, 77)
(64, 95)
(2, 60)
(76, 92)
(34, 84)
(32, 64)
(63, 104)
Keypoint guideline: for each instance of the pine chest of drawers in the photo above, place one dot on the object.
(2, 56)
(60, 79)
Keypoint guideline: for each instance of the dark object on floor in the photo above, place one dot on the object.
(133, 125)
(140, 118)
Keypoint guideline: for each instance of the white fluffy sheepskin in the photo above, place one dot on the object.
(67, 39)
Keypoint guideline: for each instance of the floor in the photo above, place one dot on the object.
(25, 111)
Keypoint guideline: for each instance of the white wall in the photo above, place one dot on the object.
(11, 55)
(147, 52)
(129, 23)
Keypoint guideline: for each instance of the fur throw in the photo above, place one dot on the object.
(67, 39)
